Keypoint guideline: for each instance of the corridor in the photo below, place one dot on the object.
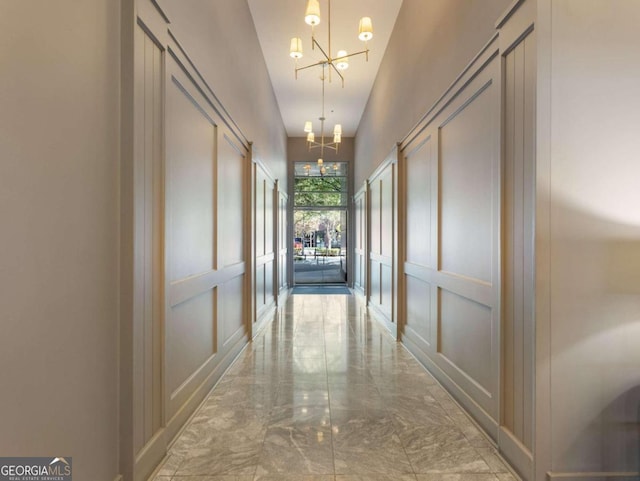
(325, 394)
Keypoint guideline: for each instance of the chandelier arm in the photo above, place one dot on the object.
(329, 59)
(315, 145)
(329, 30)
(337, 71)
(312, 65)
(354, 54)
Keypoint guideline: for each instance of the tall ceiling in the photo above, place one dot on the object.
(277, 21)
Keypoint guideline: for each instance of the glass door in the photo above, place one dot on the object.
(320, 224)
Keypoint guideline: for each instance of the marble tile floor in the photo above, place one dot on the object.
(324, 393)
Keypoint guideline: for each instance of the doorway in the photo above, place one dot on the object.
(320, 224)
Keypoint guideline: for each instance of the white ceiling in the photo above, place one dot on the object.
(300, 100)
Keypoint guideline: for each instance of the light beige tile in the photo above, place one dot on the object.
(507, 477)
(492, 458)
(376, 477)
(456, 477)
(294, 477)
(212, 478)
(170, 465)
(310, 400)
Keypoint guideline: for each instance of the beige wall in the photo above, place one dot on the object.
(587, 230)
(442, 263)
(203, 213)
(588, 239)
(432, 42)
(220, 38)
(59, 124)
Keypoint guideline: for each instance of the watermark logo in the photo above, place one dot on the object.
(36, 469)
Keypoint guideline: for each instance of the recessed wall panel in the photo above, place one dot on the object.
(375, 283)
(230, 162)
(268, 282)
(232, 309)
(269, 228)
(418, 195)
(189, 334)
(465, 336)
(419, 307)
(260, 214)
(386, 214)
(467, 153)
(376, 192)
(386, 289)
(260, 286)
(359, 242)
(191, 148)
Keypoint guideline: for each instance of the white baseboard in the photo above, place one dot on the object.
(516, 454)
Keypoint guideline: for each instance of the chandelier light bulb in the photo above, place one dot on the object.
(295, 51)
(308, 127)
(311, 137)
(320, 162)
(365, 30)
(312, 15)
(337, 129)
(342, 60)
(337, 138)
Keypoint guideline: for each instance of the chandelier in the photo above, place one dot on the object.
(322, 171)
(312, 143)
(341, 60)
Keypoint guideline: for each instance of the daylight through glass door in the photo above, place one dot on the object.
(320, 224)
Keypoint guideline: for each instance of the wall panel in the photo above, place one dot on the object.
(467, 151)
(419, 309)
(382, 203)
(232, 322)
(265, 239)
(421, 238)
(231, 159)
(148, 172)
(465, 337)
(419, 165)
(518, 258)
(187, 225)
(204, 244)
(191, 158)
(360, 242)
(450, 167)
(190, 338)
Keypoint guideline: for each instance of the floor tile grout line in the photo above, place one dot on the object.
(326, 367)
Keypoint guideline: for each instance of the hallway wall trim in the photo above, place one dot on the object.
(452, 291)
(264, 241)
(436, 261)
(381, 241)
(203, 268)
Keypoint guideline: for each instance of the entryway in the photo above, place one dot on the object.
(320, 224)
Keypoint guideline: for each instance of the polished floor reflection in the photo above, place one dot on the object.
(325, 394)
